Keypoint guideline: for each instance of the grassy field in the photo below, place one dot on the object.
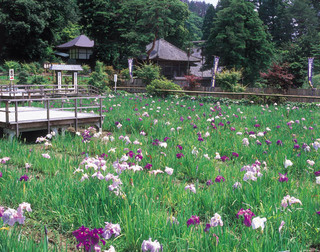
(226, 159)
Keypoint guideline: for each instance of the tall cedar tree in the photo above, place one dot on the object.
(240, 39)
(276, 15)
(305, 39)
(208, 22)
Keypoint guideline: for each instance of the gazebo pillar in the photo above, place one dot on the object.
(75, 80)
(59, 78)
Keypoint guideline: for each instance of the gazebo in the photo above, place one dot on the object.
(71, 68)
(173, 61)
(79, 50)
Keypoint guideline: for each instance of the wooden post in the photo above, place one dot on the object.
(76, 113)
(7, 112)
(48, 114)
(100, 113)
(16, 118)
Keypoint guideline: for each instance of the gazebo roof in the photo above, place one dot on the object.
(66, 68)
(164, 50)
(80, 41)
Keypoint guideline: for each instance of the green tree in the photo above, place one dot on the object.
(276, 15)
(123, 28)
(304, 18)
(304, 41)
(28, 27)
(194, 25)
(240, 39)
(208, 22)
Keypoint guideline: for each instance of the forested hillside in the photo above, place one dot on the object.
(248, 35)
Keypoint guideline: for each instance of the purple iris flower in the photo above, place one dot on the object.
(147, 166)
(252, 132)
(278, 127)
(130, 154)
(233, 129)
(279, 142)
(0, 174)
(247, 214)
(219, 178)
(317, 173)
(207, 227)
(224, 158)
(318, 212)
(88, 238)
(166, 138)
(138, 158)
(257, 125)
(179, 155)
(181, 119)
(295, 140)
(220, 124)
(179, 146)
(235, 154)
(195, 126)
(283, 177)
(194, 220)
(209, 182)
(200, 139)
(116, 123)
(258, 142)
(201, 104)
(24, 177)
(296, 146)
(268, 142)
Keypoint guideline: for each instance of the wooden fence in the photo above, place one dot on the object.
(293, 95)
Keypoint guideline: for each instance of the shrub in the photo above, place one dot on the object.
(124, 74)
(67, 80)
(193, 81)
(86, 69)
(228, 80)
(148, 73)
(156, 87)
(278, 76)
(11, 65)
(38, 79)
(110, 71)
(99, 78)
(23, 77)
(315, 81)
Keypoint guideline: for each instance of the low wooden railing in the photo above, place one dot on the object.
(76, 104)
(228, 94)
(27, 91)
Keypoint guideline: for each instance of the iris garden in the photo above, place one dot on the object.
(171, 174)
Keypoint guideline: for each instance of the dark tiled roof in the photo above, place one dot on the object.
(81, 41)
(66, 67)
(163, 50)
(196, 70)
